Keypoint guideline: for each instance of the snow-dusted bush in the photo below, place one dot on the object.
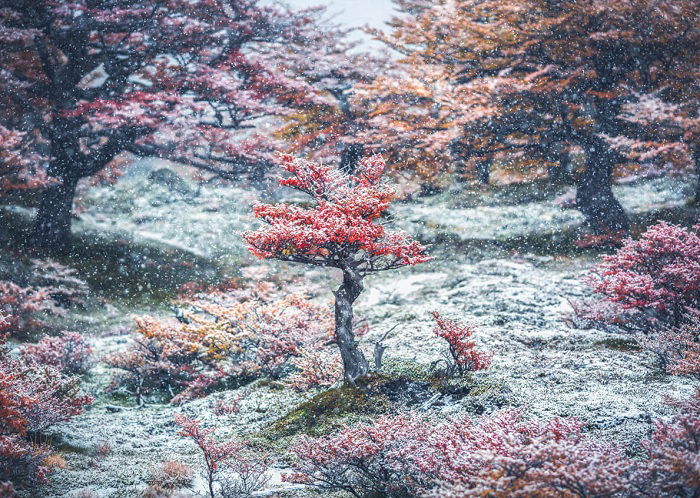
(219, 335)
(32, 398)
(69, 353)
(462, 357)
(494, 455)
(655, 280)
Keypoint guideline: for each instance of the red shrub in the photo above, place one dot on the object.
(462, 357)
(69, 353)
(677, 348)
(32, 398)
(496, 455)
(672, 467)
(229, 468)
(656, 277)
(20, 306)
(315, 369)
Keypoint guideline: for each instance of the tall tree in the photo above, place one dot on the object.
(87, 80)
(333, 65)
(538, 78)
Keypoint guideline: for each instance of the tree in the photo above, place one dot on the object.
(333, 66)
(342, 229)
(84, 81)
(539, 78)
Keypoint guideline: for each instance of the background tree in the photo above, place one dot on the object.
(341, 230)
(333, 64)
(539, 78)
(85, 81)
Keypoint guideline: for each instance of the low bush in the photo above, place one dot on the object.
(220, 335)
(462, 356)
(231, 469)
(32, 398)
(654, 281)
(69, 353)
(495, 455)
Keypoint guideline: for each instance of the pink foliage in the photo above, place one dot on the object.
(657, 277)
(32, 398)
(343, 221)
(677, 348)
(315, 369)
(494, 455)
(672, 467)
(19, 306)
(228, 466)
(68, 353)
(462, 356)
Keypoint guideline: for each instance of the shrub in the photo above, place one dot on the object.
(315, 369)
(219, 335)
(461, 357)
(171, 475)
(677, 348)
(68, 353)
(20, 307)
(655, 278)
(229, 468)
(672, 467)
(32, 398)
(494, 455)
(62, 282)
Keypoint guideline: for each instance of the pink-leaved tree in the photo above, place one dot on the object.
(342, 229)
(84, 82)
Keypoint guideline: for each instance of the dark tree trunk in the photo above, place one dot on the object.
(594, 195)
(354, 362)
(562, 171)
(483, 171)
(52, 227)
(350, 156)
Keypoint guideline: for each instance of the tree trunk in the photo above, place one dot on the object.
(483, 171)
(52, 227)
(594, 195)
(354, 362)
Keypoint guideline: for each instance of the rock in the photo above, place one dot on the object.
(171, 180)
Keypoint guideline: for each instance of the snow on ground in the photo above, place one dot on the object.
(517, 302)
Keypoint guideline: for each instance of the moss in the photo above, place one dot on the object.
(329, 409)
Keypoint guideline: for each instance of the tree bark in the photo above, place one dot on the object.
(354, 362)
(483, 171)
(594, 195)
(52, 227)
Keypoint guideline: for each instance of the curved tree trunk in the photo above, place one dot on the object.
(354, 362)
(52, 227)
(594, 195)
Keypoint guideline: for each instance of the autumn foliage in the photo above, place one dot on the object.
(342, 229)
(462, 356)
(655, 279)
(239, 333)
(32, 398)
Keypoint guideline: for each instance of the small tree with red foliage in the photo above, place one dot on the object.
(20, 306)
(655, 278)
(246, 474)
(341, 230)
(462, 356)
